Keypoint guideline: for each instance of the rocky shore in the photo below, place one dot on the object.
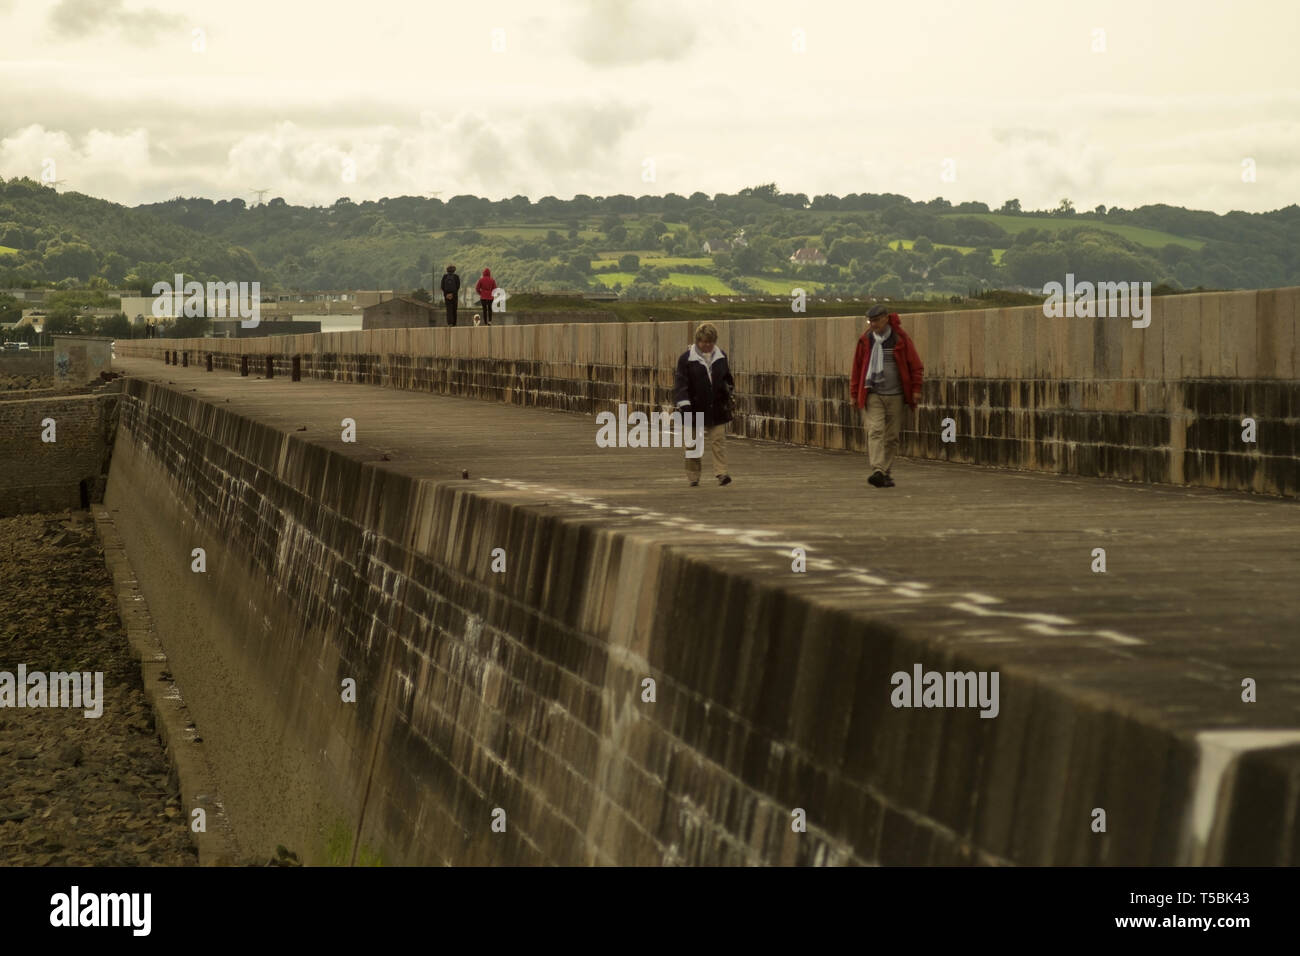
(77, 791)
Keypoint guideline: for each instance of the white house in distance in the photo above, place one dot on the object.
(808, 256)
(712, 247)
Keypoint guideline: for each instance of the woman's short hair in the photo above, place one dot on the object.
(707, 332)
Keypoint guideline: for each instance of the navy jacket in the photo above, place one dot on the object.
(702, 392)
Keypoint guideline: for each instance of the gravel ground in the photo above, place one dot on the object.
(77, 791)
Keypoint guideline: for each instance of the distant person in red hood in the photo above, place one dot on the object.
(886, 373)
(484, 287)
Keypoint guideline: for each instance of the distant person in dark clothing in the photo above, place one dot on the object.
(451, 294)
(703, 383)
(485, 287)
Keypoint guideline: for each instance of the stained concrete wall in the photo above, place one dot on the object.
(1092, 397)
(69, 472)
(522, 690)
(79, 359)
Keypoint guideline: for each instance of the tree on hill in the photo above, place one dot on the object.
(115, 326)
(629, 262)
(189, 327)
(10, 308)
(61, 321)
(75, 259)
(888, 286)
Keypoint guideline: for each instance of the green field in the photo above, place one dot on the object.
(768, 285)
(682, 280)
(518, 232)
(710, 284)
(964, 250)
(7, 249)
(649, 259)
(609, 279)
(781, 286)
(1152, 238)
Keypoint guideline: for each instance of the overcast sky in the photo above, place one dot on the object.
(372, 98)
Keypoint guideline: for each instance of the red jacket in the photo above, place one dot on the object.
(910, 368)
(485, 285)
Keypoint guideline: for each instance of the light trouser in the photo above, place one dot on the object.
(884, 415)
(716, 439)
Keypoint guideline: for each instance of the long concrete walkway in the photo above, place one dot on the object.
(1198, 594)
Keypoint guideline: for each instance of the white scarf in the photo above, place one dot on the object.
(876, 366)
(706, 359)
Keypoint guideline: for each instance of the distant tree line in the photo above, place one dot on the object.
(882, 245)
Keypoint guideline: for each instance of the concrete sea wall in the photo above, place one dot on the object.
(522, 691)
(69, 472)
(1078, 396)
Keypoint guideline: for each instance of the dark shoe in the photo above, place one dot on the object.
(724, 479)
(889, 482)
(877, 478)
(695, 484)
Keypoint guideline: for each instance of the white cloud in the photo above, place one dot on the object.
(587, 89)
(99, 163)
(509, 153)
(75, 19)
(620, 33)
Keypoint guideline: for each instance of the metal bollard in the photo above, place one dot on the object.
(270, 367)
(209, 361)
(297, 368)
(243, 365)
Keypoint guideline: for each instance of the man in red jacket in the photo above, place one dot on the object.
(886, 373)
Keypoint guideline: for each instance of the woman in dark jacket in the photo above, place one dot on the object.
(704, 385)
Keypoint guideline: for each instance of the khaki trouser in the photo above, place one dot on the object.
(716, 439)
(884, 416)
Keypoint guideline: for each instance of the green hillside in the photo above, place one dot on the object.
(868, 245)
(1152, 238)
